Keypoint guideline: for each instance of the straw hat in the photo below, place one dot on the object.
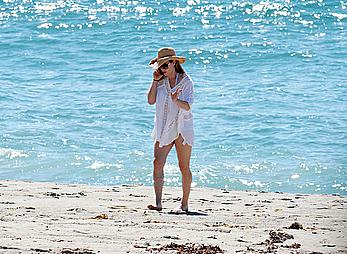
(164, 55)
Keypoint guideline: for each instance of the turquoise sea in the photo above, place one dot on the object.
(270, 82)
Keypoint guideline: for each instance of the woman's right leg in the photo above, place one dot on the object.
(160, 155)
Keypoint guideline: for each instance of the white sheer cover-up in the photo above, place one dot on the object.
(170, 120)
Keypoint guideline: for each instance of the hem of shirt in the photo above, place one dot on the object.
(185, 142)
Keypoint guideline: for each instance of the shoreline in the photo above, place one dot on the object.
(45, 217)
(194, 186)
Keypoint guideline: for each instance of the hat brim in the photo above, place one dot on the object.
(159, 62)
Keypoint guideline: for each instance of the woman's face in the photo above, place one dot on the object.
(168, 68)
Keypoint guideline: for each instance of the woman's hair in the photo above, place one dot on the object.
(179, 68)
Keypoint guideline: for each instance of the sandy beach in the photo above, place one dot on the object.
(56, 218)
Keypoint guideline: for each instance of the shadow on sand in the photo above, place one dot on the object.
(189, 213)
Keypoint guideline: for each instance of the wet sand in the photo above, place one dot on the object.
(56, 218)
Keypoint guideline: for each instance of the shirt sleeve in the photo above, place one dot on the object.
(188, 92)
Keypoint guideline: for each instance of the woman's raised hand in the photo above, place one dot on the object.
(156, 75)
(174, 95)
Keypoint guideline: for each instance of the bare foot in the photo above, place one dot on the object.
(180, 210)
(156, 208)
(184, 208)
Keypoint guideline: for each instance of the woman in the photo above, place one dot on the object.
(172, 92)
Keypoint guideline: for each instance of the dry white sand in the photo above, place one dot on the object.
(56, 218)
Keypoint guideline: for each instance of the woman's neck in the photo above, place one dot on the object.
(172, 79)
(172, 76)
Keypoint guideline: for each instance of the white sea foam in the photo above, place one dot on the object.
(97, 165)
(46, 7)
(45, 25)
(171, 168)
(263, 7)
(295, 176)
(11, 153)
(252, 183)
(181, 11)
(339, 15)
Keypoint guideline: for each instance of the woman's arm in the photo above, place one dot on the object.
(187, 96)
(182, 104)
(152, 93)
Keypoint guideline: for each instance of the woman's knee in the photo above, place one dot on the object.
(184, 168)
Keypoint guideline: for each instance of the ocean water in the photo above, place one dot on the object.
(270, 91)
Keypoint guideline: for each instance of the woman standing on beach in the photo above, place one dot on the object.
(172, 92)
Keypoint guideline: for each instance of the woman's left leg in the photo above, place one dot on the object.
(183, 154)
